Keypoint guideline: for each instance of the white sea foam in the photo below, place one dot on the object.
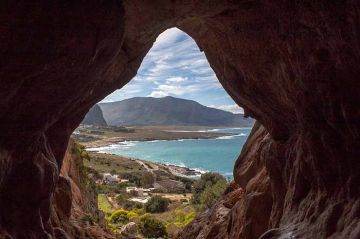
(120, 145)
(227, 137)
(154, 141)
(181, 164)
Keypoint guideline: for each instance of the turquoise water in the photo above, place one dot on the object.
(216, 155)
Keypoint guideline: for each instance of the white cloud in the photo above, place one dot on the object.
(231, 108)
(179, 89)
(158, 94)
(175, 66)
(176, 79)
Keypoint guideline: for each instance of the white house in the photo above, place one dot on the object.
(130, 189)
(111, 179)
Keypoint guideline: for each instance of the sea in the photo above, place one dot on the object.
(204, 155)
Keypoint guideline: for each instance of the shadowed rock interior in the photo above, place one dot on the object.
(292, 65)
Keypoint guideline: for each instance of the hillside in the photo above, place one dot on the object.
(95, 117)
(168, 111)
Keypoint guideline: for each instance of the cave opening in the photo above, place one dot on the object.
(292, 66)
(157, 135)
(175, 90)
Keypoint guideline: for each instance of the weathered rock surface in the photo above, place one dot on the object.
(74, 211)
(293, 65)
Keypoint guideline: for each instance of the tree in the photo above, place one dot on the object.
(208, 188)
(156, 204)
(152, 228)
(212, 193)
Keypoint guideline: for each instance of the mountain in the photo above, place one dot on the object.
(168, 111)
(95, 117)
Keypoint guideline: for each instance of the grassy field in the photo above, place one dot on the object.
(104, 204)
(104, 163)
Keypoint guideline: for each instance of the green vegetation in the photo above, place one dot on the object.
(119, 216)
(122, 200)
(157, 204)
(122, 166)
(182, 218)
(152, 228)
(79, 149)
(113, 188)
(207, 189)
(104, 204)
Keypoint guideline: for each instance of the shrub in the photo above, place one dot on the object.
(133, 216)
(208, 188)
(122, 198)
(183, 218)
(79, 149)
(156, 204)
(129, 205)
(152, 228)
(119, 216)
(212, 193)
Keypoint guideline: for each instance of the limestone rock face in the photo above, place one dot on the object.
(292, 65)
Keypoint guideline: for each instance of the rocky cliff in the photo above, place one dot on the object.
(94, 117)
(292, 65)
(74, 211)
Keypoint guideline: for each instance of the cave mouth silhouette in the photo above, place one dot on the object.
(292, 70)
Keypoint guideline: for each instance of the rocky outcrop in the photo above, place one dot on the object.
(292, 65)
(94, 117)
(244, 209)
(74, 212)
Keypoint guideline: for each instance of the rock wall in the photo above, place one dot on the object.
(292, 65)
(74, 210)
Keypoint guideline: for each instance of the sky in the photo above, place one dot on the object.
(176, 67)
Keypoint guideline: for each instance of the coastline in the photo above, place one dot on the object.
(105, 139)
(94, 137)
(151, 166)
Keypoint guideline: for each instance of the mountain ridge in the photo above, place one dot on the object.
(168, 111)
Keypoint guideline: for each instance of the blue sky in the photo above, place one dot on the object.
(176, 67)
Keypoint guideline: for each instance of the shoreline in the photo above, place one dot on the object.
(105, 139)
(175, 170)
(118, 140)
(93, 137)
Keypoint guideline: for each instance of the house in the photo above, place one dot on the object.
(130, 189)
(142, 200)
(110, 179)
(141, 192)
